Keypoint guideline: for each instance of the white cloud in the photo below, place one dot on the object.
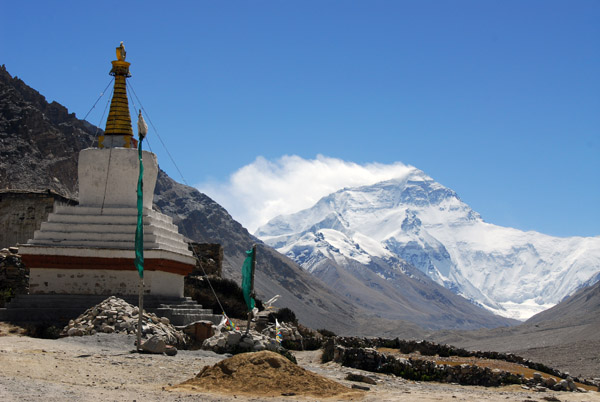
(265, 189)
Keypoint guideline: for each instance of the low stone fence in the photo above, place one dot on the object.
(369, 359)
(361, 353)
(433, 349)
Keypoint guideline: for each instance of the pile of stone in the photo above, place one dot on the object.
(14, 276)
(541, 384)
(236, 341)
(288, 332)
(118, 316)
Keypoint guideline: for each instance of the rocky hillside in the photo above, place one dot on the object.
(39, 141)
(201, 219)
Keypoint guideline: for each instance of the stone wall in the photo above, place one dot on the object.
(361, 353)
(209, 259)
(14, 276)
(22, 213)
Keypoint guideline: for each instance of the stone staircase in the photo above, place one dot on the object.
(58, 309)
(185, 312)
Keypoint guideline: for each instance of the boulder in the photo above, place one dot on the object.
(170, 350)
(154, 345)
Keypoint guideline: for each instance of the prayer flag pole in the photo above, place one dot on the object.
(248, 282)
(139, 230)
(251, 287)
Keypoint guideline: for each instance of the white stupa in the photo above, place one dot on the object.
(89, 248)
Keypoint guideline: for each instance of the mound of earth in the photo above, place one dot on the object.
(265, 374)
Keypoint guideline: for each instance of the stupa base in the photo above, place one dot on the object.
(65, 270)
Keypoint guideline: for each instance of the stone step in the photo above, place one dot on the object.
(59, 309)
(58, 317)
(63, 301)
(164, 311)
(110, 212)
(75, 219)
(119, 245)
(89, 236)
(129, 228)
(179, 320)
(70, 233)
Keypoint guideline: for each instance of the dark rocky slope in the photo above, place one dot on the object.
(39, 141)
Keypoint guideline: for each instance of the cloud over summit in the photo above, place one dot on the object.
(265, 189)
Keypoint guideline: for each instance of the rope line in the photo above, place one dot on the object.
(106, 180)
(136, 108)
(185, 182)
(97, 100)
(158, 135)
(101, 118)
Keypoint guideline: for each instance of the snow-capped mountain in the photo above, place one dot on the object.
(513, 273)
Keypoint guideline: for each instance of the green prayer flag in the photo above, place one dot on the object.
(247, 280)
(139, 230)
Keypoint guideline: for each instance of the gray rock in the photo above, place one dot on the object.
(170, 350)
(233, 338)
(74, 332)
(154, 345)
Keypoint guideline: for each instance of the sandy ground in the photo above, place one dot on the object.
(103, 368)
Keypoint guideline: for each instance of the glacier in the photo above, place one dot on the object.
(512, 273)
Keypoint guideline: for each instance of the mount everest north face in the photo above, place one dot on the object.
(512, 273)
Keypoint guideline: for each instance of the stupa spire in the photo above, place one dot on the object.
(118, 132)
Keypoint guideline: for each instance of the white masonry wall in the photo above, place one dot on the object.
(109, 177)
(103, 282)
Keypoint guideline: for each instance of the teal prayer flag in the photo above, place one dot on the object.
(247, 280)
(139, 230)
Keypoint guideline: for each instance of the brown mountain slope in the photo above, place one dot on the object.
(39, 141)
(567, 336)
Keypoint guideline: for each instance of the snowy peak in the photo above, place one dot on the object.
(386, 200)
(413, 218)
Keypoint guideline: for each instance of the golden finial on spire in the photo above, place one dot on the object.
(121, 53)
(118, 132)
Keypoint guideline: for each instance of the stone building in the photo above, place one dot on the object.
(23, 211)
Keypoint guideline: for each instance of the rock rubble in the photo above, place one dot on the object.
(288, 332)
(116, 315)
(236, 341)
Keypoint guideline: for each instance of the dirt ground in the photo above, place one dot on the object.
(103, 367)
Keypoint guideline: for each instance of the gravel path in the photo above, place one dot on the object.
(102, 367)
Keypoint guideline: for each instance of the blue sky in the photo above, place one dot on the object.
(498, 100)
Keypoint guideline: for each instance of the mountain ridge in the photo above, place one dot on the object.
(416, 219)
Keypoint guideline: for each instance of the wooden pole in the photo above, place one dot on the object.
(140, 314)
(251, 286)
